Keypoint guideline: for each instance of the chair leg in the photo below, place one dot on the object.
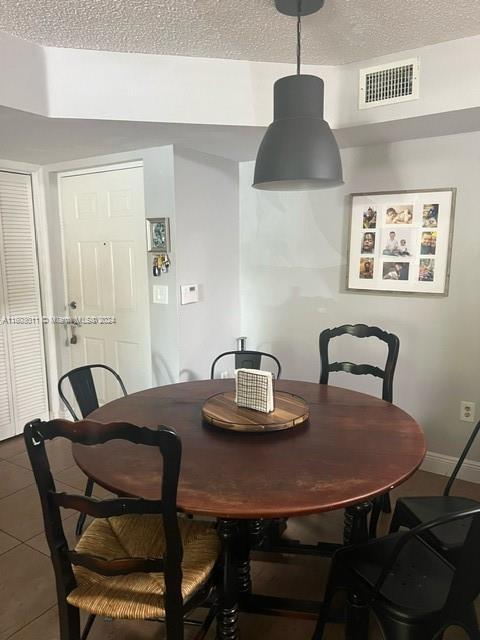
(395, 523)
(470, 623)
(374, 516)
(207, 623)
(324, 611)
(396, 630)
(386, 504)
(357, 619)
(82, 516)
(69, 621)
(88, 626)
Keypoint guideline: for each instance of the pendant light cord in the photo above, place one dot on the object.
(299, 37)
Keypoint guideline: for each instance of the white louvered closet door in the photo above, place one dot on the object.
(23, 390)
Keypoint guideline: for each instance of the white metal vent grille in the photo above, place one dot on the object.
(389, 83)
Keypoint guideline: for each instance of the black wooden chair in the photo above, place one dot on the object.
(137, 559)
(387, 374)
(85, 393)
(247, 359)
(361, 331)
(410, 512)
(414, 592)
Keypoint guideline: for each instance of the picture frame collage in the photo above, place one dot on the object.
(401, 241)
(158, 243)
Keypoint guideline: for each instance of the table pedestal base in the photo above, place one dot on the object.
(239, 537)
(355, 528)
(227, 618)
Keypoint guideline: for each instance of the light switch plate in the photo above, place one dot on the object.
(160, 294)
(189, 293)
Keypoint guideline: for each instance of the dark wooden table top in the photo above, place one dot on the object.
(353, 447)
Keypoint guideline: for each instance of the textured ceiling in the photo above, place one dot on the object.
(344, 31)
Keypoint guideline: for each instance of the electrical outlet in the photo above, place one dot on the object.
(467, 411)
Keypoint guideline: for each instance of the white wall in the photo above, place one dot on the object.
(77, 83)
(24, 82)
(206, 197)
(449, 82)
(159, 202)
(293, 251)
(199, 194)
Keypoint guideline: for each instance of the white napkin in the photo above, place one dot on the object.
(254, 389)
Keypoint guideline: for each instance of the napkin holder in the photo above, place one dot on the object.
(254, 390)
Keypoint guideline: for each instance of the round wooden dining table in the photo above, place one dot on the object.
(353, 447)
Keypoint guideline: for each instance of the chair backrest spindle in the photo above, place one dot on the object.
(361, 331)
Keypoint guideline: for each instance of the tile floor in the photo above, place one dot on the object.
(27, 592)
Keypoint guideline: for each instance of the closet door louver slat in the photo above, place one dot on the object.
(22, 361)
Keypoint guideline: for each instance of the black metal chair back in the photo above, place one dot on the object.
(465, 585)
(83, 387)
(247, 359)
(461, 459)
(361, 331)
(454, 589)
(88, 433)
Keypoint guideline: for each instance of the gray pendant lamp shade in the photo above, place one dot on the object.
(299, 151)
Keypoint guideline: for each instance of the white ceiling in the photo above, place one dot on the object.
(343, 31)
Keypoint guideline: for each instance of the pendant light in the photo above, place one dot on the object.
(299, 151)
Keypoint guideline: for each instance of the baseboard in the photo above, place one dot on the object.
(443, 465)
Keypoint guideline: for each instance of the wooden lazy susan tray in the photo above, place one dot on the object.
(222, 411)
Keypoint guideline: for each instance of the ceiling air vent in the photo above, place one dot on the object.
(389, 83)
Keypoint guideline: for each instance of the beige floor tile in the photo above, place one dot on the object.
(74, 477)
(27, 588)
(11, 447)
(59, 453)
(7, 542)
(39, 542)
(126, 630)
(44, 627)
(13, 478)
(272, 628)
(21, 514)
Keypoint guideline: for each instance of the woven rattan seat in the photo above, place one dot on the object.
(139, 595)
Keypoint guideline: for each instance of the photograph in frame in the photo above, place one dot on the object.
(400, 242)
(158, 235)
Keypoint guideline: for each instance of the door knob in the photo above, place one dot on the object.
(73, 304)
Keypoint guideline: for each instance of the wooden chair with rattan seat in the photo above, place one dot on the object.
(83, 387)
(137, 560)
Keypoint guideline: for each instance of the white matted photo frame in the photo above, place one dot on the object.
(158, 235)
(400, 241)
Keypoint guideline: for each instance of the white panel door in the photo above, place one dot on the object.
(105, 249)
(23, 390)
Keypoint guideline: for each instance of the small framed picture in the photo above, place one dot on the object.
(158, 235)
(400, 242)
